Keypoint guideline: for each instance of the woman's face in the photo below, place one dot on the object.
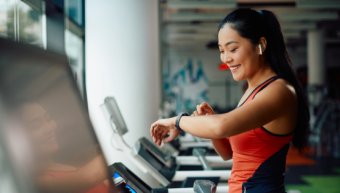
(241, 56)
(41, 128)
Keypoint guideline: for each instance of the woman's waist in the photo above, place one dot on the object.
(246, 162)
(241, 176)
(244, 171)
(245, 166)
(247, 179)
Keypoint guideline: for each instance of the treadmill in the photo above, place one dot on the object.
(33, 148)
(163, 168)
(199, 158)
(125, 181)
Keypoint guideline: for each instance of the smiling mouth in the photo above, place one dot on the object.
(235, 67)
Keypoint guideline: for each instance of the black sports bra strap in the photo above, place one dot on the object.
(258, 89)
(264, 85)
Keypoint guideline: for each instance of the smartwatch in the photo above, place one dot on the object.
(178, 119)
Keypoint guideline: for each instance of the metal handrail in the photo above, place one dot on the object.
(323, 119)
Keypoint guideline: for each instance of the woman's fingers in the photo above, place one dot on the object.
(206, 108)
(203, 109)
(153, 132)
(158, 132)
(169, 138)
(199, 109)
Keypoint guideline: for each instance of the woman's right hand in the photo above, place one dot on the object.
(203, 109)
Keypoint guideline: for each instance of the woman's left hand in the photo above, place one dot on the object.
(164, 130)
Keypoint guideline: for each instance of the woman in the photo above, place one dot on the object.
(271, 113)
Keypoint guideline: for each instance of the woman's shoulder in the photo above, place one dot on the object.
(279, 89)
(284, 87)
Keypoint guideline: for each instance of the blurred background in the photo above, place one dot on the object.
(160, 57)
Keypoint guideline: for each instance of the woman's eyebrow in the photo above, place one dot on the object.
(228, 43)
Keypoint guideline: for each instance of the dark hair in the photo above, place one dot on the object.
(253, 25)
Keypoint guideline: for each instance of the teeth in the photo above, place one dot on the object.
(233, 67)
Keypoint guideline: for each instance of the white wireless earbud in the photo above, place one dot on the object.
(260, 49)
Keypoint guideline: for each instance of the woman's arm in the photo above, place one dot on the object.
(275, 101)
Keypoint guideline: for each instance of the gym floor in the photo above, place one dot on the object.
(307, 174)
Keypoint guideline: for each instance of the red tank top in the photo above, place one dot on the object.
(258, 157)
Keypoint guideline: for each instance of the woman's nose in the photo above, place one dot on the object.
(226, 59)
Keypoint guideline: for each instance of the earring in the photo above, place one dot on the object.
(260, 49)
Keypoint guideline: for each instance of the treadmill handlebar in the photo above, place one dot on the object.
(204, 186)
(200, 154)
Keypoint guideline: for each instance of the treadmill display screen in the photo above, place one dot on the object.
(121, 185)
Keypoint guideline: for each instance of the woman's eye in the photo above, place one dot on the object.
(233, 50)
(221, 51)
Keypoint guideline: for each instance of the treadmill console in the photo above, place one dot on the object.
(127, 182)
(146, 152)
(155, 151)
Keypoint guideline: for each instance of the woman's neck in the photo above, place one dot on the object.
(260, 76)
